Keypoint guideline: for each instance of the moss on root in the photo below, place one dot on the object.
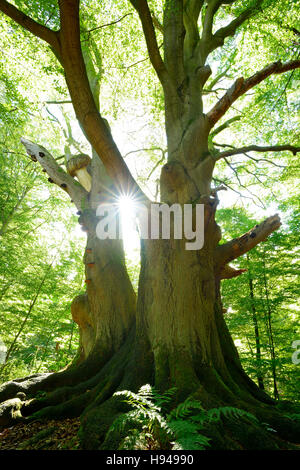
(95, 424)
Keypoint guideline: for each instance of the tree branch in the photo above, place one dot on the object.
(241, 86)
(241, 245)
(42, 32)
(107, 24)
(210, 86)
(191, 14)
(256, 148)
(174, 33)
(229, 30)
(228, 272)
(86, 109)
(38, 153)
(144, 13)
(212, 8)
(157, 23)
(224, 126)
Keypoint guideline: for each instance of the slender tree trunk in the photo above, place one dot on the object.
(270, 331)
(256, 330)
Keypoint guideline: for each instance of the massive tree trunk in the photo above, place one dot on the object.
(175, 334)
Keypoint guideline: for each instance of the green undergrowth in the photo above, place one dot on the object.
(151, 423)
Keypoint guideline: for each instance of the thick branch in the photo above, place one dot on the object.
(241, 245)
(51, 37)
(174, 33)
(241, 86)
(256, 148)
(93, 125)
(209, 41)
(38, 153)
(212, 8)
(142, 8)
(191, 14)
(229, 30)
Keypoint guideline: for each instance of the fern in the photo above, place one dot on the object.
(187, 435)
(148, 425)
(186, 409)
(186, 422)
(215, 414)
(145, 423)
(293, 416)
(165, 398)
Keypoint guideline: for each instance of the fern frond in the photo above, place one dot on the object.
(215, 414)
(185, 409)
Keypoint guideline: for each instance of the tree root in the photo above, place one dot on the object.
(10, 389)
(75, 374)
(93, 399)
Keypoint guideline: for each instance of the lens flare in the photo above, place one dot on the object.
(127, 208)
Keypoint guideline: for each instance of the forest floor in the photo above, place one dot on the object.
(50, 435)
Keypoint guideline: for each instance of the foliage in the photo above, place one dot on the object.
(150, 424)
(40, 269)
(273, 267)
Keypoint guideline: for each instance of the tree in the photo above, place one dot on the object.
(271, 269)
(174, 334)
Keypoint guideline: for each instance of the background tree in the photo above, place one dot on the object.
(40, 267)
(249, 309)
(175, 334)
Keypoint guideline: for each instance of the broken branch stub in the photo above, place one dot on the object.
(77, 166)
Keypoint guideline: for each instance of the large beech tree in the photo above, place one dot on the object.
(174, 333)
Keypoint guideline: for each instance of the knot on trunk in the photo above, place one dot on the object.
(176, 184)
(81, 312)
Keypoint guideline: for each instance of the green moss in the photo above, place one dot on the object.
(96, 423)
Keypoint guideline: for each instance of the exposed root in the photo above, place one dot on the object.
(96, 421)
(10, 389)
(10, 412)
(94, 401)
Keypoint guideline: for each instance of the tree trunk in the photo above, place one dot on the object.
(175, 336)
(106, 312)
(270, 332)
(256, 330)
